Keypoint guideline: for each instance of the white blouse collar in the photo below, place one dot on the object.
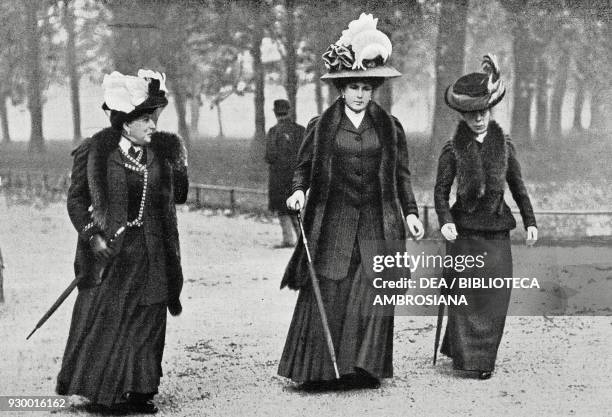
(125, 145)
(354, 117)
(480, 138)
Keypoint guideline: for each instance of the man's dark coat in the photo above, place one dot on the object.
(282, 146)
(314, 172)
(97, 201)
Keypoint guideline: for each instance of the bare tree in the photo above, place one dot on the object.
(34, 75)
(11, 71)
(450, 55)
(558, 92)
(72, 68)
(291, 79)
(258, 10)
(541, 93)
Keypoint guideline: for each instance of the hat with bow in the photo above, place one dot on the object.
(361, 51)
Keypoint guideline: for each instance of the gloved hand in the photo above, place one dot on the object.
(296, 201)
(415, 226)
(532, 235)
(100, 248)
(449, 231)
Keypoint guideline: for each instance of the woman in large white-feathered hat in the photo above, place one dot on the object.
(128, 257)
(483, 160)
(354, 163)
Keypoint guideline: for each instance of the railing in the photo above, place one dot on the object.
(34, 180)
(39, 184)
(197, 198)
(198, 190)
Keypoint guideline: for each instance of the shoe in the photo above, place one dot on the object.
(318, 386)
(484, 374)
(146, 407)
(359, 380)
(141, 403)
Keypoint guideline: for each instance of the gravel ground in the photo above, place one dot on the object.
(221, 353)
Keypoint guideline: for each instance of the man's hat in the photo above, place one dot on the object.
(281, 107)
(477, 91)
(361, 52)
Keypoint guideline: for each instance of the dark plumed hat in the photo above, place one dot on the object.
(281, 107)
(478, 90)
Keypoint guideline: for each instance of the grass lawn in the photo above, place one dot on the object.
(567, 174)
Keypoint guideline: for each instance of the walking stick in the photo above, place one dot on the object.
(317, 292)
(438, 331)
(1, 278)
(68, 290)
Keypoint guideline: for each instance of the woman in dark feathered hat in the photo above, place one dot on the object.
(482, 159)
(354, 163)
(126, 180)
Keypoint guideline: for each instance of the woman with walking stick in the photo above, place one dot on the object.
(354, 161)
(128, 258)
(482, 159)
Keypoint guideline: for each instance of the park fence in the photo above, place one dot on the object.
(40, 188)
(553, 224)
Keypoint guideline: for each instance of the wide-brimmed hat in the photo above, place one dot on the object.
(478, 90)
(361, 52)
(127, 97)
(281, 107)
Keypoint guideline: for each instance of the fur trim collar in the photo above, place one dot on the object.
(479, 171)
(168, 147)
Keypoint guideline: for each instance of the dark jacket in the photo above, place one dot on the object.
(482, 172)
(99, 181)
(353, 215)
(282, 145)
(314, 172)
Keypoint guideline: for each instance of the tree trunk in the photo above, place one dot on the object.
(291, 57)
(332, 94)
(73, 72)
(34, 77)
(450, 55)
(541, 132)
(221, 135)
(385, 95)
(598, 113)
(558, 94)
(194, 106)
(180, 104)
(6, 136)
(258, 146)
(524, 63)
(578, 104)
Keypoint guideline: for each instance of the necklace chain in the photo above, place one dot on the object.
(137, 166)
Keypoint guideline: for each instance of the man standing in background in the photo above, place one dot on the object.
(282, 146)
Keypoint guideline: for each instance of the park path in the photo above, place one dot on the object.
(222, 352)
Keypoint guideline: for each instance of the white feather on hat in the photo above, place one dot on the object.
(124, 92)
(362, 50)
(366, 41)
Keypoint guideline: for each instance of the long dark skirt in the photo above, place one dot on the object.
(362, 333)
(115, 345)
(473, 333)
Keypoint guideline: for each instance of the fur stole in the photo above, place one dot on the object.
(479, 171)
(168, 147)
